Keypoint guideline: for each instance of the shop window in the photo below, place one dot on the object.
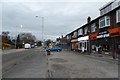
(80, 45)
(118, 15)
(93, 47)
(104, 22)
(85, 45)
(106, 48)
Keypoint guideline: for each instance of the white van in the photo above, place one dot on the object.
(27, 46)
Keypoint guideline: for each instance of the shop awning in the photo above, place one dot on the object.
(93, 36)
(114, 32)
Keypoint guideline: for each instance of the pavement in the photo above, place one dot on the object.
(67, 64)
(99, 56)
(7, 51)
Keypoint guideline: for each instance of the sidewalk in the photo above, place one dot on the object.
(6, 51)
(98, 56)
(69, 64)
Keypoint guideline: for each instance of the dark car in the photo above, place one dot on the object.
(32, 46)
(54, 49)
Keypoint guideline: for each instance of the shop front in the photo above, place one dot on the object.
(74, 44)
(83, 43)
(93, 42)
(105, 41)
(115, 37)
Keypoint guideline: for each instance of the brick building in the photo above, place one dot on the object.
(101, 34)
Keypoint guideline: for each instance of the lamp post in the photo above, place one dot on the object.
(42, 27)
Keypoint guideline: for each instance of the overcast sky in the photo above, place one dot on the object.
(60, 17)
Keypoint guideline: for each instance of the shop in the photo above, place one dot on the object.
(74, 44)
(108, 40)
(115, 38)
(93, 42)
(83, 43)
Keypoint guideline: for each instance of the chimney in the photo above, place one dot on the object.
(89, 26)
(89, 19)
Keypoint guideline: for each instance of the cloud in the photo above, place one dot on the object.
(54, 1)
(59, 17)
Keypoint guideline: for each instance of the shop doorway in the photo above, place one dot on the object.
(82, 46)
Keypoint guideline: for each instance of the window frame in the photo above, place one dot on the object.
(85, 30)
(104, 19)
(117, 19)
(74, 34)
(80, 32)
(93, 26)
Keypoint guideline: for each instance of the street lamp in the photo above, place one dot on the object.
(42, 27)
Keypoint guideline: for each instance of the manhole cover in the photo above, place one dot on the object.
(58, 60)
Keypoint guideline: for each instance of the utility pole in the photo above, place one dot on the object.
(42, 28)
(16, 38)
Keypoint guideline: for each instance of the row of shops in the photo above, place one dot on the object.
(108, 41)
(99, 36)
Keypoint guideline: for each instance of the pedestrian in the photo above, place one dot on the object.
(83, 49)
(118, 52)
(100, 51)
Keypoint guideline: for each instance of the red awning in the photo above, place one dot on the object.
(93, 36)
(114, 32)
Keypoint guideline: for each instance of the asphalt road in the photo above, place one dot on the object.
(30, 63)
(36, 64)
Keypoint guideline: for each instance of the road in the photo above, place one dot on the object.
(31, 66)
(63, 64)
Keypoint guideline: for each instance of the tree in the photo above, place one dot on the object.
(27, 38)
(48, 42)
(39, 43)
(6, 41)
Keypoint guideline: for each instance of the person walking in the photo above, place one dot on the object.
(100, 51)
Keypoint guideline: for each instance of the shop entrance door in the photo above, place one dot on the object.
(82, 46)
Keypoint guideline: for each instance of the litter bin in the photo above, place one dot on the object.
(48, 52)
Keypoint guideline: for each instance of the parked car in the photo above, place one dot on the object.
(54, 49)
(32, 46)
(27, 46)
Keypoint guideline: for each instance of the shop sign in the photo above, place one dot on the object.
(93, 36)
(103, 34)
(83, 38)
(109, 33)
(114, 32)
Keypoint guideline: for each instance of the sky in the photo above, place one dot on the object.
(60, 16)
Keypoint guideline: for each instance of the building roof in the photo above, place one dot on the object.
(95, 19)
(109, 3)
